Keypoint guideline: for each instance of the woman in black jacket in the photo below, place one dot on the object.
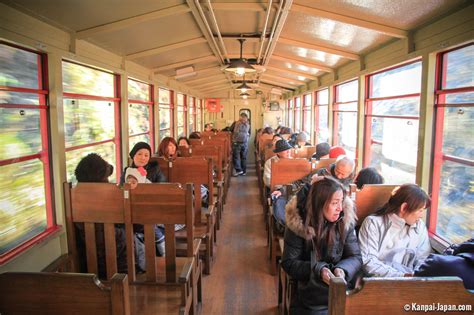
(320, 242)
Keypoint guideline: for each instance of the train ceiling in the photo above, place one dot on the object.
(290, 42)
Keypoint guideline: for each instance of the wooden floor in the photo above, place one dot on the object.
(240, 282)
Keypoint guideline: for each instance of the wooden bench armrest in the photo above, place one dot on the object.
(186, 271)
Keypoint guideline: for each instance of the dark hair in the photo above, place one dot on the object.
(207, 125)
(286, 131)
(412, 194)
(368, 175)
(277, 135)
(318, 199)
(183, 138)
(268, 130)
(137, 147)
(194, 135)
(163, 148)
(93, 169)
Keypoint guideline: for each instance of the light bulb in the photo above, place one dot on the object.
(240, 71)
(244, 90)
(244, 97)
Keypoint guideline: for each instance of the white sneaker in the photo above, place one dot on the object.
(236, 174)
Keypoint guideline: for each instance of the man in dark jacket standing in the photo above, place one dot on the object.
(240, 138)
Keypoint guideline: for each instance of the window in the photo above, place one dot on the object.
(453, 172)
(307, 100)
(165, 107)
(345, 117)
(181, 115)
(290, 113)
(192, 114)
(321, 116)
(91, 116)
(391, 122)
(297, 114)
(140, 113)
(26, 214)
(199, 116)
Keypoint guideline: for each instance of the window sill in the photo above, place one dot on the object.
(45, 236)
(438, 244)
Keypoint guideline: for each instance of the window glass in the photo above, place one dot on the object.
(138, 91)
(347, 92)
(105, 150)
(387, 83)
(198, 116)
(164, 96)
(164, 117)
(139, 138)
(297, 114)
(19, 68)
(84, 80)
(397, 107)
(138, 118)
(323, 130)
(20, 132)
(346, 132)
(323, 97)
(290, 113)
(87, 121)
(459, 65)
(307, 113)
(458, 135)
(25, 207)
(165, 113)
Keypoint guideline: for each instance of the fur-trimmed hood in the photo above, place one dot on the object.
(295, 222)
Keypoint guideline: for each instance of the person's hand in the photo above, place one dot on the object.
(276, 194)
(338, 272)
(315, 178)
(326, 275)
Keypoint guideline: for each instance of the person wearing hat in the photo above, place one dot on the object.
(336, 151)
(302, 140)
(282, 150)
(140, 155)
(322, 151)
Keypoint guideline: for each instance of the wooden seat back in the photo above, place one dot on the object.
(194, 142)
(151, 204)
(62, 293)
(268, 154)
(213, 152)
(371, 198)
(263, 141)
(392, 295)
(305, 152)
(285, 171)
(225, 148)
(185, 151)
(162, 163)
(91, 204)
(323, 163)
(198, 171)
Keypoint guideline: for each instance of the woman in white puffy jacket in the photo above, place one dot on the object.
(394, 241)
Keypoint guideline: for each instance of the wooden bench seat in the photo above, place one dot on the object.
(63, 293)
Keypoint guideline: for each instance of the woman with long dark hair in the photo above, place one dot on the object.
(320, 243)
(394, 241)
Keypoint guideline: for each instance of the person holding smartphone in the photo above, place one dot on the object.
(320, 243)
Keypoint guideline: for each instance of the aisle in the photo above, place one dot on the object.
(240, 282)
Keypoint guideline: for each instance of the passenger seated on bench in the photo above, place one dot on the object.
(368, 175)
(94, 169)
(183, 142)
(322, 151)
(342, 171)
(457, 260)
(320, 243)
(301, 140)
(336, 151)
(134, 177)
(140, 155)
(168, 149)
(282, 150)
(195, 135)
(394, 241)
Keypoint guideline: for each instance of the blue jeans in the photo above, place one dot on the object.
(239, 156)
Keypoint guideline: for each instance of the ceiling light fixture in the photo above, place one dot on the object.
(244, 87)
(244, 95)
(240, 66)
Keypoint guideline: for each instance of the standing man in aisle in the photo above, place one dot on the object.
(240, 139)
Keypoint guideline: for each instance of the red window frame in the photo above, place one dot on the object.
(43, 155)
(169, 106)
(317, 113)
(307, 112)
(438, 156)
(297, 114)
(368, 141)
(149, 104)
(116, 100)
(336, 111)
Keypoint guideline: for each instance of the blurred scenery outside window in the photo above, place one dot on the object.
(290, 113)
(321, 116)
(181, 106)
(25, 198)
(90, 116)
(452, 210)
(391, 121)
(199, 115)
(192, 114)
(345, 117)
(297, 114)
(165, 113)
(307, 101)
(140, 113)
